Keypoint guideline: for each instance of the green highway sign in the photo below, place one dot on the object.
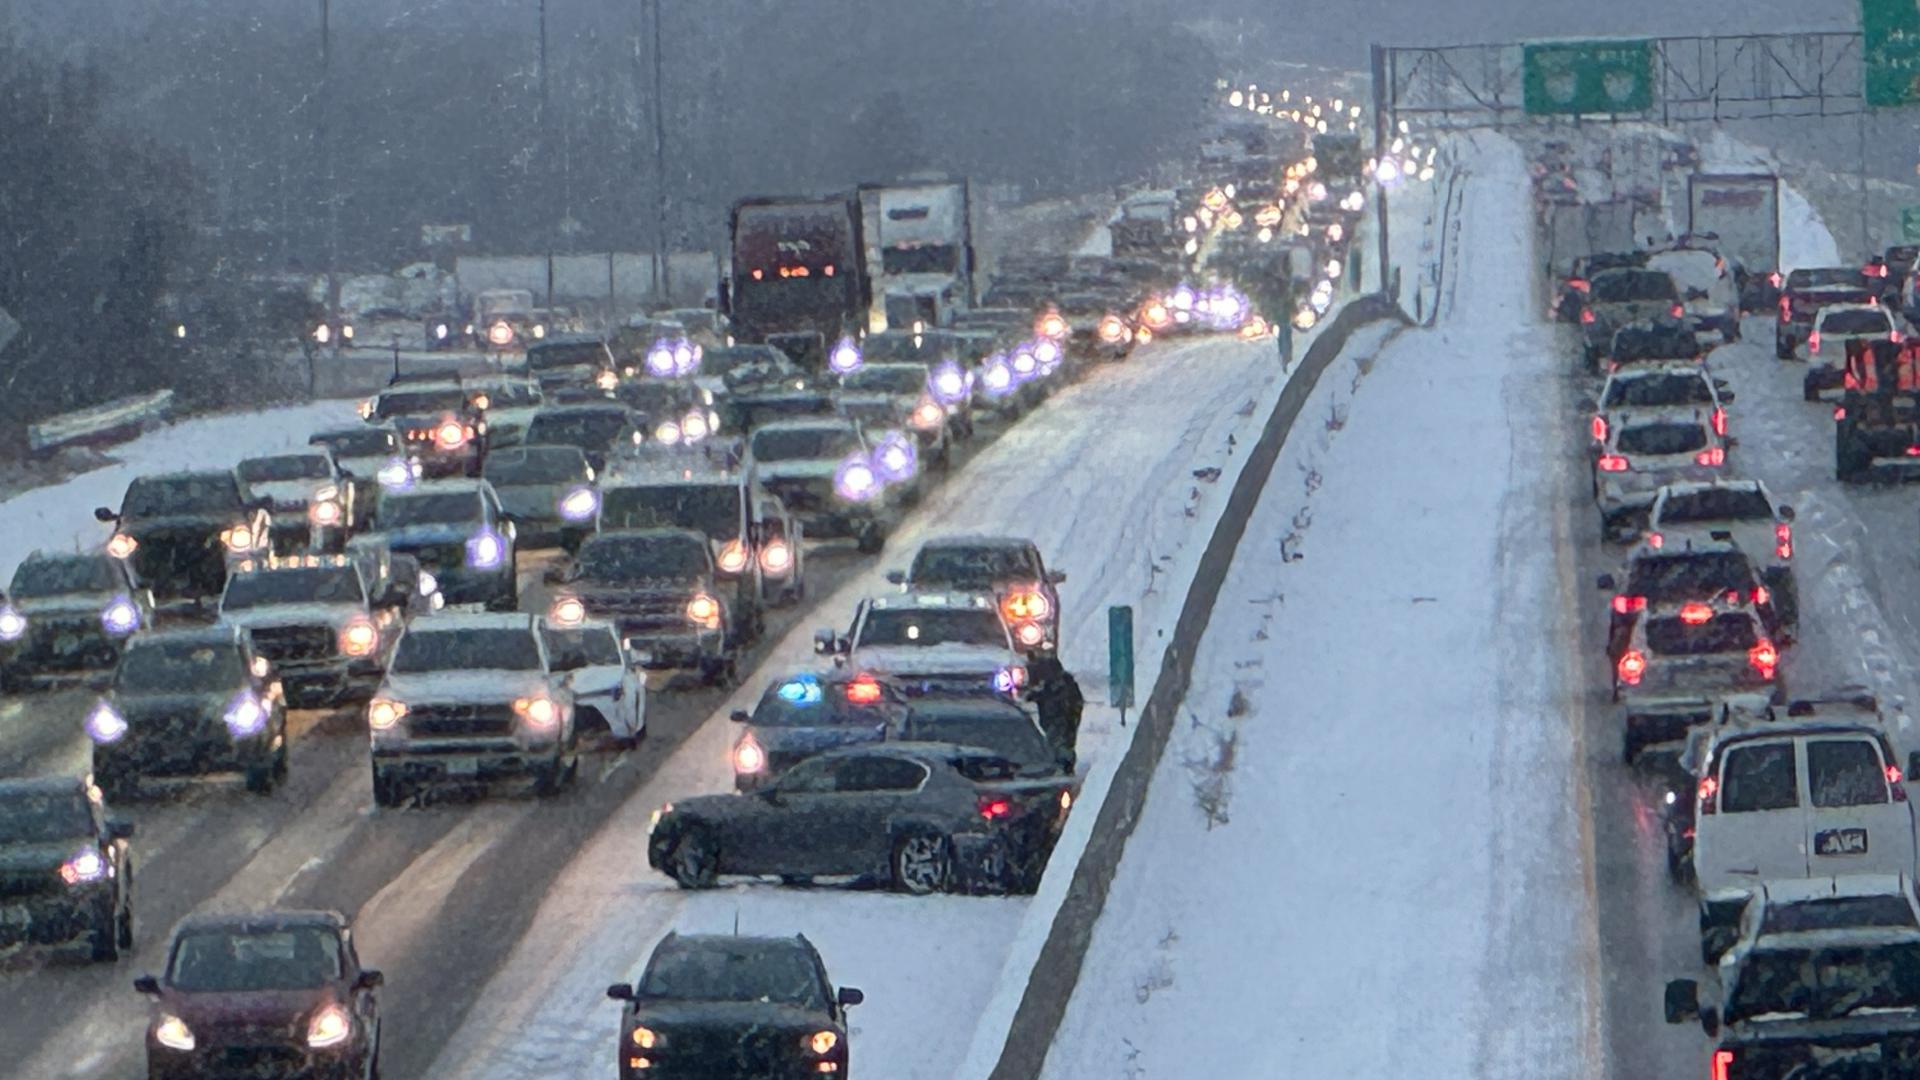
(1120, 656)
(1910, 224)
(1577, 77)
(1890, 51)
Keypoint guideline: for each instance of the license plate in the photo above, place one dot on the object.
(640, 657)
(1840, 842)
(463, 767)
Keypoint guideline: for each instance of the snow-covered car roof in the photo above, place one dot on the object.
(932, 598)
(455, 622)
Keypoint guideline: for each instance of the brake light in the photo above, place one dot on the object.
(1655, 541)
(1764, 658)
(1813, 342)
(1709, 792)
(1783, 541)
(1786, 310)
(1599, 429)
(1632, 665)
(1586, 316)
(1627, 605)
(1695, 614)
(1761, 595)
(1720, 422)
(1773, 279)
(1723, 1065)
(1896, 337)
(1612, 463)
(1578, 284)
(995, 807)
(1894, 783)
(1713, 456)
(864, 690)
(1676, 311)
(1839, 412)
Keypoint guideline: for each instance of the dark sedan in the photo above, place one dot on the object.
(263, 995)
(714, 1005)
(181, 532)
(66, 877)
(922, 817)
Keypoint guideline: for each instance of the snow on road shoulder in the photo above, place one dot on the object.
(1362, 842)
(60, 516)
(1118, 479)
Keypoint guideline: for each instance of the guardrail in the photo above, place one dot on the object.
(99, 421)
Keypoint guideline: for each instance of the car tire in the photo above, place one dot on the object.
(262, 778)
(103, 943)
(554, 779)
(1679, 867)
(388, 789)
(721, 672)
(872, 539)
(116, 782)
(922, 863)
(694, 863)
(1782, 350)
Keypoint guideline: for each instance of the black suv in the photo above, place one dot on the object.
(181, 532)
(66, 618)
(662, 591)
(66, 877)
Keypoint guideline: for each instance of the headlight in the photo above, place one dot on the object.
(928, 415)
(855, 480)
(440, 331)
(500, 334)
(173, 1033)
(359, 639)
(704, 609)
(776, 557)
(823, 1042)
(567, 611)
(246, 716)
(322, 334)
(85, 867)
(539, 331)
(485, 551)
(895, 458)
(643, 1037)
(1030, 634)
(1024, 362)
(238, 538)
(12, 624)
(383, 713)
(1112, 330)
(324, 513)
(732, 558)
(659, 360)
(539, 712)
(395, 475)
(105, 724)
(427, 584)
(121, 617)
(949, 384)
(694, 426)
(748, 757)
(579, 504)
(365, 408)
(845, 357)
(329, 1027)
(346, 332)
(1051, 325)
(450, 435)
(668, 432)
(606, 380)
(997, 377)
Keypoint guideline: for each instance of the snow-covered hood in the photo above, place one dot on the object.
(27, 858)
(949, 659)
(799, 470)
(460, 687)
(413, 536)
(284, 1012)
(206, 705)
(531, 500)
(288, 494)
(810, 740)
(669, 1017)
(367, 468)
(278, 615)
(69, 604)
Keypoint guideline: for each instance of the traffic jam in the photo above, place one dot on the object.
(1783, 812)
(495, 577)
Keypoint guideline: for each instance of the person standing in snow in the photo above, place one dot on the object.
(1056, 694)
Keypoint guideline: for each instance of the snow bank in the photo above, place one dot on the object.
(1359, 868)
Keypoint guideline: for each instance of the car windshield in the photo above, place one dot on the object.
(595, 430)
(420, 402)
(508, 395)
(1646, 391)
(1659, 439)
(1698, 270)
(399, 510)
(535, 465)
(954, 566)
(283, 467)
(713, 509)
(1689, 576)
(44, 817)
(778, 973)
(889, 379)
(614, 558)
(1009, 733)
(932, 626)
(1674, 636)
(1855, 322)
(1825, 982)
(1655, 343)
(1626, 286)
(565, 354)
(570, 649)
(804, 444)
(1838, 912)
(371, 441)
(61, 575)
(294, 585)
(180, 667)
(249, 960)
(467, 648)
(196, 493)
(652, 397)
(1715, 504)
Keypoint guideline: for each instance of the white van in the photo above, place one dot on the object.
(1817, 792)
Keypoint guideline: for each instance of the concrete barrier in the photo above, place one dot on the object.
(99, 421)
(1051, 982)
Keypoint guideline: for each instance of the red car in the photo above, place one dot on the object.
(260, 995)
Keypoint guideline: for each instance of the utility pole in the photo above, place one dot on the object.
(664, 282)
(540, 134)
(324, 134)
(1382, 121)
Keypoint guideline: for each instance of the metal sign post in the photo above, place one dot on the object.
(1120, 659)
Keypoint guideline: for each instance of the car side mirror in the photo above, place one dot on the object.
(896, 577)
(1056, 577)
(146, 984)
(1606, 582)
(1786, 513)
(1710, 1021)
(740, 716)
(620, 991)
(849, 996)
(824, 642)
(1682, 1001)
(102, 513)
(119, 830)
(1727, 397)
(369, 979)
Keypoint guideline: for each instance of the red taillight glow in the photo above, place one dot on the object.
(1773, 279)
(1709, 788)
(1676, 311)
(1761, 595)
(1627, 605)
(1599, 429)
(1839, 412)
(1586, 316)
(1695, 614)
(1632, 665)
(1578, 284)
(1612, 463)
(1764, 658)
(1720, 422)
(993, 807)
(1723, 1065)
(1813, 342)
(1786, 310)
(1712, 457)
(1783, 541)
(1655, 541)
(1896, 337)
(864, 690)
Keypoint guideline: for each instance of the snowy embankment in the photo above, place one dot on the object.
(1364, 843)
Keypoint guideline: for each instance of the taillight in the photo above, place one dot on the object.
(1720, 422)
(1612, 463)
(1632, 665)
(1627, 605)
(359, 639)
(1895, 788)
(450, 435)
(1764, 658)
(1783, 541)
(995, 807)
(1695, 614)
(1599, 429)
(1586, 316)
(1839, 413)
(1709, 795)
(1723, 1065)
(1712, 456)
(1813, 342)
(1761, 595)
(1786, 310)
(1773, 279)
(1656, 541)
(1896, 337)
(1676, 311)
(1578, 284)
